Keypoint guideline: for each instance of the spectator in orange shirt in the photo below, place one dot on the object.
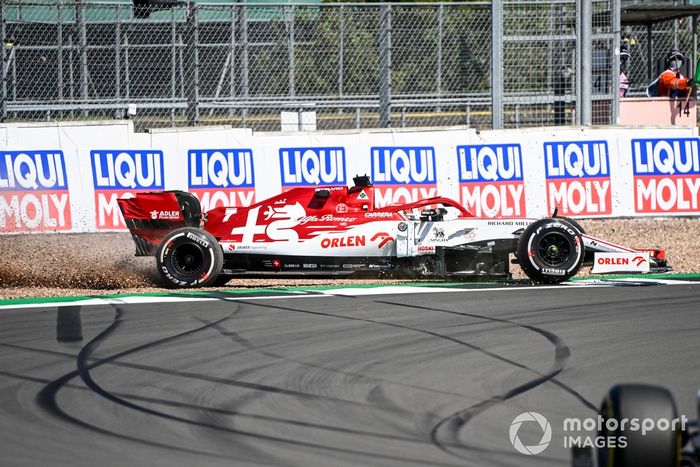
(672, 83)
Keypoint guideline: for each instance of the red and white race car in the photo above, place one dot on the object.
(337, 230)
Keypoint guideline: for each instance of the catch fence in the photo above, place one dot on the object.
(322, 66)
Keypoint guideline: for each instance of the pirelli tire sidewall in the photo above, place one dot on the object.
(189, 257)
(567, 220)
(535, 266)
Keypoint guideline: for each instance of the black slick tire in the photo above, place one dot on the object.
(550, 251)
(189, 257)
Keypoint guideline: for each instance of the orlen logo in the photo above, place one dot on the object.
(666, 175)
(403, 174)
(344, 242)
(120, 174)
(382, 238)
(491, 180)
(33, 191)
(312, 166)
(637, 260)
(578, 177)
(221, 177)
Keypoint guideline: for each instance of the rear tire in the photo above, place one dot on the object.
(189, 257)
(655, 449)
(550, 251)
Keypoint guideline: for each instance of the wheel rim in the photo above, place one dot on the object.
(187, 259)
(554, 249)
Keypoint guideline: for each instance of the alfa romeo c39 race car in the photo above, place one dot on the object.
(337, 230)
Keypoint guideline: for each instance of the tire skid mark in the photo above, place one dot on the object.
(250, 346)
(453, 423)
(562, 354)
(189, 375)
(562, 351)
(85, 356)
(373, 405)
(218, 410)
(376, 395)
(47, 400)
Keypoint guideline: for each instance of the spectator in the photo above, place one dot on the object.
(671, 83)
(624, 60)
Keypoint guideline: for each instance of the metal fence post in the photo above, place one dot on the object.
(497, 64)
(245, 85)
(650, 53)
(117, 60)
(82, 33)
(675, 34)
(385, 66)
(578, 59)
(440, 32)
(173, 64)
(584, 73)
(560, 71)
(71, 72)
(127, 72)
(694, 23)
(192, 64)
(290, 48)
(341, 49)
(232, 60)
(3, 64)
(616, 60)
(59, 53)
(586, 61)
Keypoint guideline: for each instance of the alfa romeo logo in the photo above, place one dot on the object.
(546, 433)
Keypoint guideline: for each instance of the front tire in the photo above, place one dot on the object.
(657, 448)
(550, 251)
(189, 257)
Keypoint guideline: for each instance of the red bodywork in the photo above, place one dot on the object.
(307, 210)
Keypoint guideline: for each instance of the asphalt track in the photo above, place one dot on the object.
(430, 379)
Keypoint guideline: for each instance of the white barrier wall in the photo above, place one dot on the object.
(67, 177)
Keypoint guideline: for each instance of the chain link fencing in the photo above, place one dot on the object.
(649, 45)
(285, 66)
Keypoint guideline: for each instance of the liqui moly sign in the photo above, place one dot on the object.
(666, 175)
(491, 180)
(121, 173)
(403, 174)
(312, 166)
(221, 177)
(33, 191)
(578, 178)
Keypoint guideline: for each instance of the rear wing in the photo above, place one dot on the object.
(151, 216)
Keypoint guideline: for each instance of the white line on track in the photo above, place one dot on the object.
(320, 293)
